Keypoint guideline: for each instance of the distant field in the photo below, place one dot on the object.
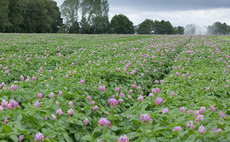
(83, 88)
(225, 37)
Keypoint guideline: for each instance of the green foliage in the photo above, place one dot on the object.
(179, 30)
(40, 16)
(146, 27)
(109, 61)
(218, 28)
(120, 24)
(163, 27)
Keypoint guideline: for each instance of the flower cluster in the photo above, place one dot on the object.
(112, 102)
(70, 112)
(201, 129)
(37, 104)
(177, 128)
(222, 115)
(140, 98)
(182, 109)
(70, 103)
(39, 137)
(12, 105)
(104, 121)
(212, 108)
(59, 112)
(123, 139)
(202, 109)
(145, 117)
(101, 88)
(165, 110)
(86, 121)
(158, 100)
(190, 124)
(199, 117)
(13, 87)
(40, 95)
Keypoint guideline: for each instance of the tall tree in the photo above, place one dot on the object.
(163, 27)
(95, 12)
(4, 11)
(70, 9)
(146, 27)
(120, 24)
(179, 30)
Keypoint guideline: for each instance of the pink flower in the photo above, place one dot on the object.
(112, 102)
(140, 98)
(92, 103)
(151, 95)
(104, 121)
(70, 103)
(177, 128)
(196, 113)
(222, 115)
(182, 109)
(54, 117)
(156, 81)
(190, 111)
(123, 139)
(39, 137)
(202, 109)
(157, 90)
(201, 129)
(165, 110)
(51, 95)
(82, 82)
(60, 92)
(86, 121)
(177, 74)
(70, 112)
(89, 98)
(95, 108)
(145, 117)
(20, 138)
(158, 100)
(59, 112)
(101, 88)
(173, 94)
(212, 108)
(37, 104)
(40, 95)
(190, 124)
(130, 91)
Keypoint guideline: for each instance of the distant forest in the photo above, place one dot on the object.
(44, 16)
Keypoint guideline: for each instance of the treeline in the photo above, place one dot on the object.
(158, 27)
(28, 16)
(44, 16)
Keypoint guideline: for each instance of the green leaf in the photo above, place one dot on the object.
(67, 137)
(14, 138)
(87, 138)
(19, 118)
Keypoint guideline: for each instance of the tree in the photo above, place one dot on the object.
(4, 11)
(75, 28)
(163, 27)
(95, 14)
(69, 10)
(120, 24)
(146, 27)
(218, 28)
(179, 30)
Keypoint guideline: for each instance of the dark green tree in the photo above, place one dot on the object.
(146, 27)
(163, 27)
(69, 10)
(85, 27)
(95, 12)
(218, 28)
(4, 19)
(120, 24)
(179, 30)
(75, 28)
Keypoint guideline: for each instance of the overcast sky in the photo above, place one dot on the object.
(178, 12)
